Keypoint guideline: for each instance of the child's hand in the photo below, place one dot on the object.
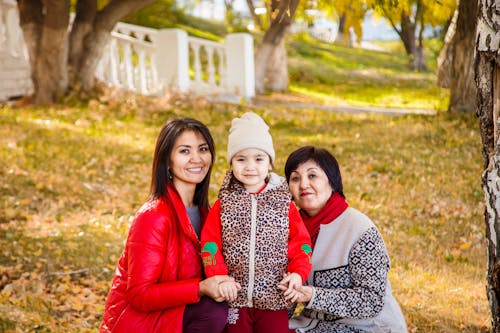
(294, 280)
(229, 290)
(291, 281)
(291, 286)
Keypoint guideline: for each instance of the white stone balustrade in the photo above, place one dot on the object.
(208, 65)
(150, 61)
(240, 64)
(143, 60)
(15, 73)
(128, 62)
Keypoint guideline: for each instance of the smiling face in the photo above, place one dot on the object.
(310, 187)
(190, 160)
(251, 167)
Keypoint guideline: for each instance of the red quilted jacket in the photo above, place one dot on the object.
(158, 272)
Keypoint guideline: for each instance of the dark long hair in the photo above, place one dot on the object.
(165, 144)
(325, 161)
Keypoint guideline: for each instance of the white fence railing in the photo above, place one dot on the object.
(148, 61)
(143, 60)
(10, 37)
(129, 60)
(207, 63)
(15, 73)
(323, 34)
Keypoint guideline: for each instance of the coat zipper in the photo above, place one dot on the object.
(251, 262)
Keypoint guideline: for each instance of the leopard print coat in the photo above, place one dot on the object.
(255, 230)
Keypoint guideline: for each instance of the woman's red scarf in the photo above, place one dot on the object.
(335, 206)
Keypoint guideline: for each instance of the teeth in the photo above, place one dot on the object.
(195, 169)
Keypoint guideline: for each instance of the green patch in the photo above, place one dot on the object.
(308, 251)
(306, 248)
(211, 248)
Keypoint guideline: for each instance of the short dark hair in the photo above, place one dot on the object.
(325, 161)
(165, 144)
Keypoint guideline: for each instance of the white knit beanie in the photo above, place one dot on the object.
(249, 131)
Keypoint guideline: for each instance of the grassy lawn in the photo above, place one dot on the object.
(338, 75)
(73, 176)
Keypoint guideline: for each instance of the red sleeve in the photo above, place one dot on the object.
(147, 247)
(211, 243)
(299, 245)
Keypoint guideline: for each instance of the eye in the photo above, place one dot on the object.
(294, 179)
(312, 175)
(184, 151)
(204, 149)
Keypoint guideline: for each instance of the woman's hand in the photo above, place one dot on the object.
(210, 287)
(304, 294)
(293, 290)
(290, 286)
(291, 281)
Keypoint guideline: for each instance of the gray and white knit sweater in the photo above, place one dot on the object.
(349, 278)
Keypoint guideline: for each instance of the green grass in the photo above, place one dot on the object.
(338, 75)
(73, 176)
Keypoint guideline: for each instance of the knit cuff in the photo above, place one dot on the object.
(311, 301)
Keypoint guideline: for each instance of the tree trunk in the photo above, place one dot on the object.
(45, 28)
(445, 58)
(341, 37)
(98, 38)
(261, 55)
(462, 86)
(407, 34)
(31, 20)
(419, 63)
(94, 45)
(487, 77)
(49, 70)
(278, 68)
(273, 47)
(86, 11)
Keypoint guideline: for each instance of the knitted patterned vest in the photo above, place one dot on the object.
(255, 229)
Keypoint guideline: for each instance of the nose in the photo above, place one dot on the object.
(249, 165)
(196, 157)
(303, 183)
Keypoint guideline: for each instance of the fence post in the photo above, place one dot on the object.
(240, 64)
(15, 71)
(172, 59)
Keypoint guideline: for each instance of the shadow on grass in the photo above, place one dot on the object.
(54, 171)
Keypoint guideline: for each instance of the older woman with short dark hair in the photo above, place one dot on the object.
(348, 289)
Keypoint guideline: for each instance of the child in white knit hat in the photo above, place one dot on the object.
(254, 233)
